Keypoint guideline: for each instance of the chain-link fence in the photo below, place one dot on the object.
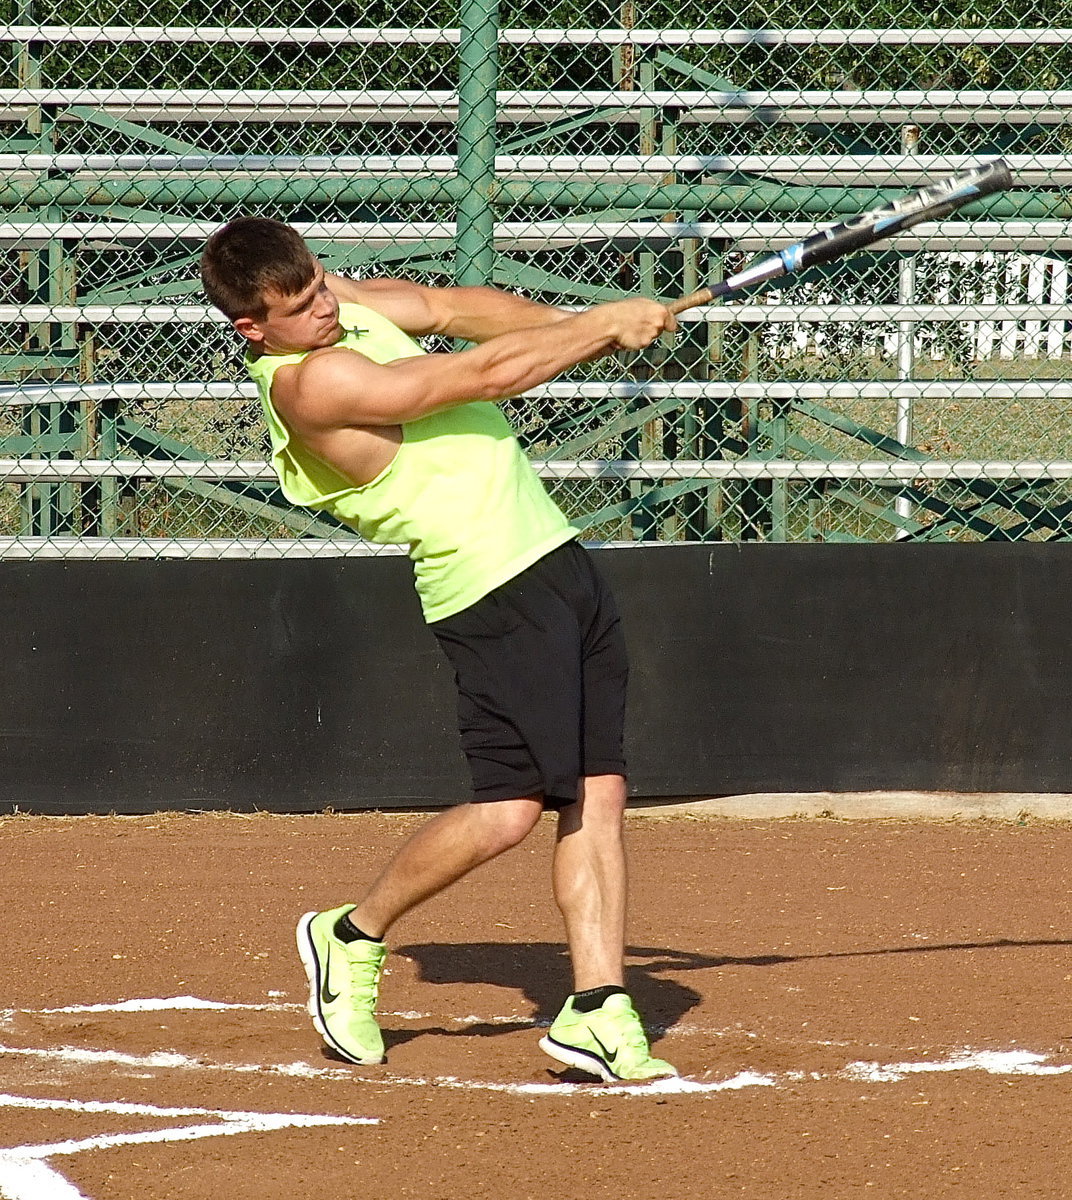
(574, 153)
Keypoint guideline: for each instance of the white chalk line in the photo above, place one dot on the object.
(165, 1059)
(24, 1175)
(1018, 1062)
(992, 1062)
(29, 1179)
(195, 1004)
(151, 1004)
(128, 1108)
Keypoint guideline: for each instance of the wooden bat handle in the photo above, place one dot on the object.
(703, 296)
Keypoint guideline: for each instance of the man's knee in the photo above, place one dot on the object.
(506, 823)
(603, 795)
(599, 809)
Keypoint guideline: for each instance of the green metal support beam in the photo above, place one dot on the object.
(758, 197)
(478, 77)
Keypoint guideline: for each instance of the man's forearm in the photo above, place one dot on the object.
(516, 361)
(478, 314)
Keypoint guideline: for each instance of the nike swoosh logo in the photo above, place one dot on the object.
(607, 1054)
(326, 994)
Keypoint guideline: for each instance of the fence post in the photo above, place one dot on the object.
(478, 79)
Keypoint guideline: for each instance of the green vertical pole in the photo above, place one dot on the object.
(36, 500)
(714, 416)
(478, 79)
(754, 510)
(108, 447)
(780, 488)
(70, 418)
(642, 444)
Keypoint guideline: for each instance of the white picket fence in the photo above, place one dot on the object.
(983, 278)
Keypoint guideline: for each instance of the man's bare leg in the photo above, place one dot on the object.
(589, 878)
(344, 967)
(449, 846)
(598, 1030)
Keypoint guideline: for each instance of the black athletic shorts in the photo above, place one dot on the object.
(541, 670)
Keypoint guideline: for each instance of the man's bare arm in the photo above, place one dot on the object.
(475, 314)
(336, 388)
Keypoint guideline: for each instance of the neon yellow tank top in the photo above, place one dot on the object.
(460, 492)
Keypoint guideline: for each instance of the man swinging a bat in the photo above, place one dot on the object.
(411, 448)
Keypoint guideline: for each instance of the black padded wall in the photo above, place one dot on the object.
(296, 685)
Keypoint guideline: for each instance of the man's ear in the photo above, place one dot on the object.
(249, 329)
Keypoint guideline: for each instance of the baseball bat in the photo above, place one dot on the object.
(928, 204)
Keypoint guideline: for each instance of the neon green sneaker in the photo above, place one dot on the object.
(344, 983)
(609, 1042)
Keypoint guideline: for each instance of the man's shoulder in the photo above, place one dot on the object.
(306, 389)
(402, 303)
(368, 292)
(321, 366)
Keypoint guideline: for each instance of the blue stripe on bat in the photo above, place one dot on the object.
(791, 257)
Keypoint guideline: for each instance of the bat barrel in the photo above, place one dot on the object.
(993, 177)
(931, 203)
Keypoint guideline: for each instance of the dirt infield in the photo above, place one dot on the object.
(858, 1008)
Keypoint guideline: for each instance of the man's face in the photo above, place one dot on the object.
(306, 321)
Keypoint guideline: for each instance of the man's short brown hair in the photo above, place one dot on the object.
(249, 257)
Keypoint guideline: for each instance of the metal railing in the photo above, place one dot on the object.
(919, 391)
